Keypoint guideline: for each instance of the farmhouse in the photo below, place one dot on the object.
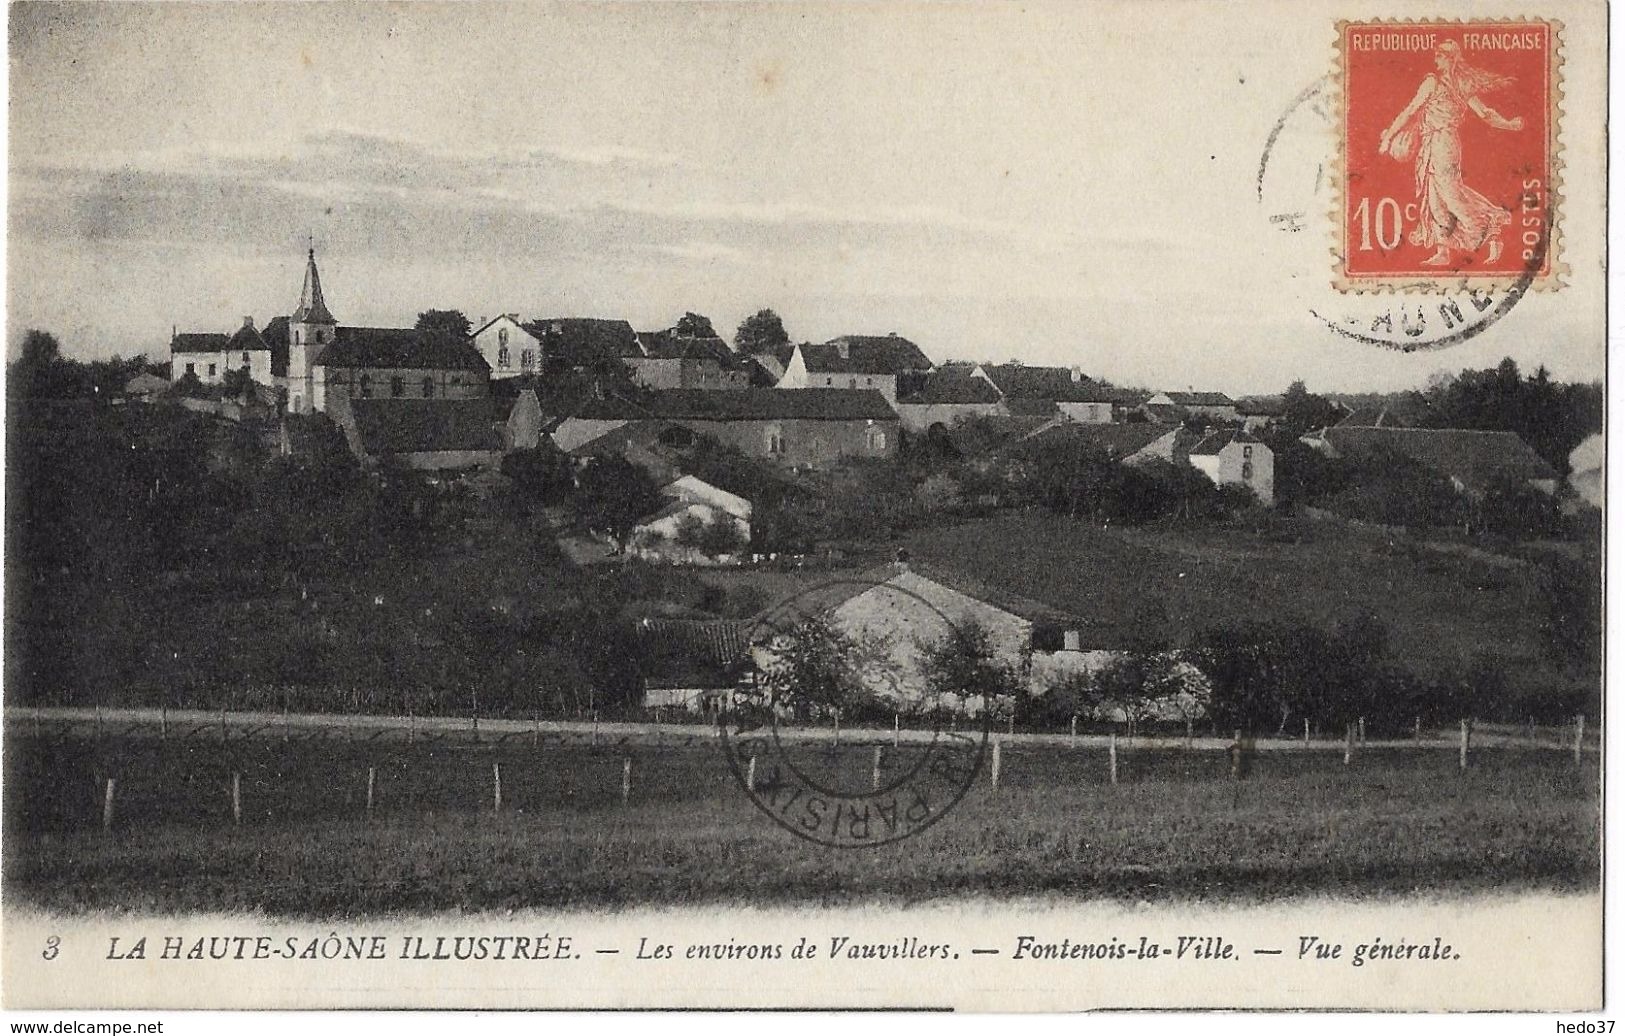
(201, 354)
(909, 608)
(671, 360)
(1471, 460)
(951, 393)
(694, 505)
(793, 427)
(584, 342)
(1215, 406)
(1048, 390)
(878, 362)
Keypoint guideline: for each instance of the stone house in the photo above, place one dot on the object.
(1043, 390)
(884, 363)
(792, 427)
(397, 363)
(952, 393)
(426, 434)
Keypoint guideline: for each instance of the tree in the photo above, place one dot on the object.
(692, 325)
(963, 664)
(449, 321)
(818, 667)
(1304, 411)
(611, 495)
(236, 383)
(761, 332)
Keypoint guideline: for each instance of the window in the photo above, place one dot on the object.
(504, 358)
(502, 336)
(366, 386)
(1247, 471)
(245, 359)
(829, 381)
(775, 440)
(456, 381)
(191, 368)
(211, 370)
(296, 338)
(1246, 451)
(527, 359)
(319, 338)
(868, 382)
(877, 440)
(397, 386)
(428, 388)
(853, 383)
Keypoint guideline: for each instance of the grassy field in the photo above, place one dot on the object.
(1396, 821)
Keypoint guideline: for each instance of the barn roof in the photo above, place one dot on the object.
(400, 347)
(425, 425)
(819, 404)
(1472, 458)
(865, 354)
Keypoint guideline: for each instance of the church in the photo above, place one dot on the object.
(313, 361)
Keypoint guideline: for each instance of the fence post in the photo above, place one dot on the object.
(1348, 743)
(284, 718)
(474, 721)
(237, 799)
(1416, 729)
(107, 805)
(874, 773)
(750, 774)
(1074, 731)
(896, 729)
(163, 722)
(595, 726)
(626, 780)
(1579, 734)
(1362, 731)
(496, 787)
(1464, 744)
(1306, 732)
(996, 762)
(1111, 753)
(369, 791)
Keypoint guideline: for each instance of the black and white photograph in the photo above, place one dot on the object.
(985, 507)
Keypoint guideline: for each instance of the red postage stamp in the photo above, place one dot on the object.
(1450, 165)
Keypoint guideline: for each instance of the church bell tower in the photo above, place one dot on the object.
(310, 331)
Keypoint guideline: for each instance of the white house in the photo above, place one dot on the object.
(855, 362)
(1237, 458)
(509, 349)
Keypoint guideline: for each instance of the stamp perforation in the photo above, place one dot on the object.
(1556, 270)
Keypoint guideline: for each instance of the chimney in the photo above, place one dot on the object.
(1071, 641)
(1077, 375)
(248, 322)
(843, 347)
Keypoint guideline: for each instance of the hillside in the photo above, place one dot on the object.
(1440, 603)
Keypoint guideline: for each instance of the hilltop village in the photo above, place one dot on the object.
(558, 512)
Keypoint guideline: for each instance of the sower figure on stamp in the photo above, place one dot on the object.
(1452, 215)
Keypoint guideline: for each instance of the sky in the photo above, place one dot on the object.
(1067, 184)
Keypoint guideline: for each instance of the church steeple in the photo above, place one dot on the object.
(312, 307)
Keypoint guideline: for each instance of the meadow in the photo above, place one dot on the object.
(1396, 820)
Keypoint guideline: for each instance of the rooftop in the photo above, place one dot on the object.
(762, 404)
(425, 425)
(399, 347)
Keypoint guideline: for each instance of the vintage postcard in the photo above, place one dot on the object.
(991, 507)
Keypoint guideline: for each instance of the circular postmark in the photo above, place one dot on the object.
(874, 786)
(1298, 194)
